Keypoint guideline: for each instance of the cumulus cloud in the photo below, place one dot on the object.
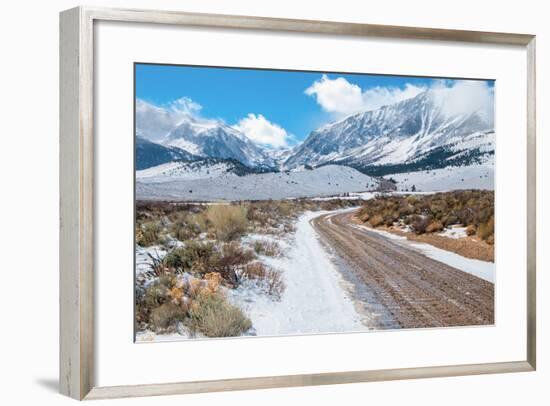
(341, 98)
(261, 131)
(465, 97)
(154, 122)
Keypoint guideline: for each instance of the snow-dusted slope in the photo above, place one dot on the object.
(324, 181)
(476, 176)
(197, 169)
(149, 154)
(215, 139)
(393, 134)
(183, 170)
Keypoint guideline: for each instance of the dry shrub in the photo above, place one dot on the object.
(254, 270)
(434, 227)
(213, 316)
(166, 316)
(275, 284)
(229, 222)
(231, 258)
(420, 224)
(148, 233)
(268, 248)
(470, 230)
(486, 230)
(266, 277)
(364, 217)
(284, 208)
(170, 299)
(213, 281)
(158, 265)
(467, 207)
(376, 220)
(194, 256)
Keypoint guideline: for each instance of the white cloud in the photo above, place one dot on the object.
(154, 122)
(261, 131)
(342, 98)
(465, 97)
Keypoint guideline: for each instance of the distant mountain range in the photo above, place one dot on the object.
(414, 134)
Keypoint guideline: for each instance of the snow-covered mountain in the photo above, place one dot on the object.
(419, 132)
(149, 154)
(215, 139)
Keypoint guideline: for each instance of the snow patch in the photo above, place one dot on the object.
(315, 299)
(482, 269)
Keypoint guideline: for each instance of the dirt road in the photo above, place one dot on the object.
(414, 290)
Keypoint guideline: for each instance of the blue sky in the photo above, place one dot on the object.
(294, 102)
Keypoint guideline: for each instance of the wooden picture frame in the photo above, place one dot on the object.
(77, 200)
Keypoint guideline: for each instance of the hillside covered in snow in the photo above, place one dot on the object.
(425, 142)
(325, 181)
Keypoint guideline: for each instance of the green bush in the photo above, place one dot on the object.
(213, 316)
(148, 233)
(194, 256)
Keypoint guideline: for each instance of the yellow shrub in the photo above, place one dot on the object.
(229, 222)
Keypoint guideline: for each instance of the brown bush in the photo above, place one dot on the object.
(434, 227)
(470, 230)
(376, 220)
(486, 230)
(270, 278)
(467, 207)
(275, 283)
(230, 258)
(420, 224)
(268, 248)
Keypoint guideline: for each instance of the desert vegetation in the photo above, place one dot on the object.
(195, 254)
(425, 214)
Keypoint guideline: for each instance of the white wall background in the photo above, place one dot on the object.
(29, 200)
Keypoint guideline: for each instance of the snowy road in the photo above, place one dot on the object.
(316, 299)
(417, 290)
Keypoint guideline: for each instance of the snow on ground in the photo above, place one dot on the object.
(176, 170)
(143, 257)
(482, 269)
(478, 176)
(454, 232)
(315, 299)
(348, 196)
(324, 181)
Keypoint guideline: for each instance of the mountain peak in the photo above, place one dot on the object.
(215, 139)
(390, 134)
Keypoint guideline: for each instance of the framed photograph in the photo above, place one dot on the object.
(251, 202)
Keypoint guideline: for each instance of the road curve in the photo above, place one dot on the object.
(415, 290)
